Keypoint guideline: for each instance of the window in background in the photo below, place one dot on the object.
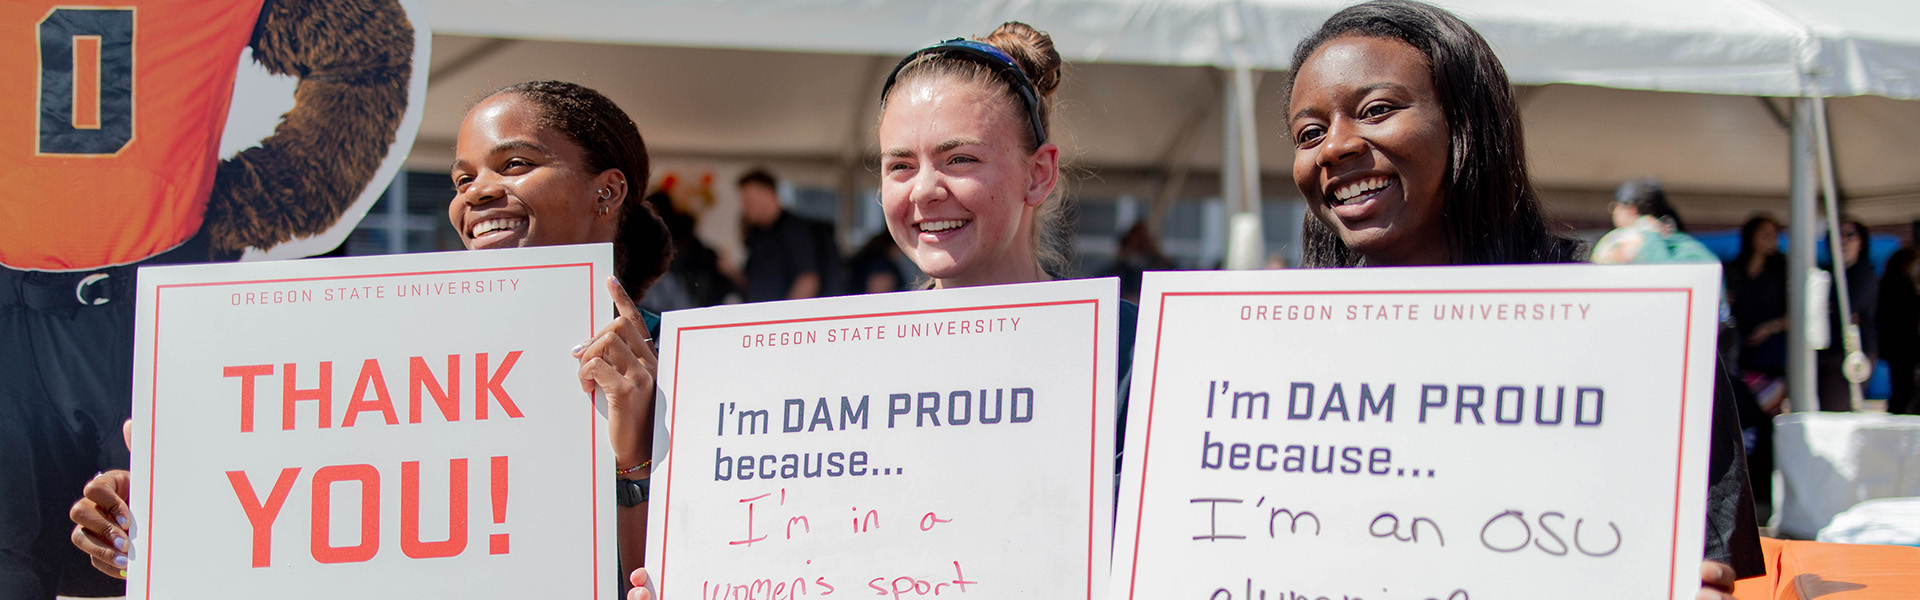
(411, 216)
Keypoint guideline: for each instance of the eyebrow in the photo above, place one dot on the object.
(943, 147)
(506, 146)
(1359, 91)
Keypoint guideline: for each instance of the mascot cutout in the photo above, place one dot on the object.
(110, 129)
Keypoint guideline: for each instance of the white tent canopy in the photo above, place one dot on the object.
(1170, 86)
(1742, 47)
(772, 81)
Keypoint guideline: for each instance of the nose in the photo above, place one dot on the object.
(1343, 141)
(927, 186)
(485, 188)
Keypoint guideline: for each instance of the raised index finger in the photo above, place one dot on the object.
(621, 301)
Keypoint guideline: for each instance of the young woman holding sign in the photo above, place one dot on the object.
(1408, 151)
(536, 164)
(968, 168)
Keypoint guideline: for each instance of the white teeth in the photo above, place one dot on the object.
(492, 225)
(1356, 189)
(939, 226)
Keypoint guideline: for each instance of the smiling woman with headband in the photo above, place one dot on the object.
(968, 171)
(969, 166)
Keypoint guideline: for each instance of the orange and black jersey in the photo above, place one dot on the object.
(110, 125)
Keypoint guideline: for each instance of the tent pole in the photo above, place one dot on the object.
(853, 154)
(1849, 333)
(1174, 165)
(1801, 197)
(1241, 177)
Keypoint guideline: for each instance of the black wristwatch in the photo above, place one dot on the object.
(630, 492)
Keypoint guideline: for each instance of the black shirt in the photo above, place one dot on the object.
(778, 255)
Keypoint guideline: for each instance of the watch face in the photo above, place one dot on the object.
(624, 492)
(630, 492)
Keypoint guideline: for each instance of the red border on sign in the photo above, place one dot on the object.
(153, 409)
(1094, 461)
(1154, 387)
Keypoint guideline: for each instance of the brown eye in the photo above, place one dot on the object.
(1308, 134)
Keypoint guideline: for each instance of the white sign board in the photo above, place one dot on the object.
(1466, 433)
(385, 427)
(953, 443)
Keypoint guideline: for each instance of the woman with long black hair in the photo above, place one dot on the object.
(1757, 289)
(1409, 152)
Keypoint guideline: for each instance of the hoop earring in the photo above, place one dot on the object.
(605, 197)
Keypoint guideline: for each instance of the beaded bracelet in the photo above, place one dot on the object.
(633, 469)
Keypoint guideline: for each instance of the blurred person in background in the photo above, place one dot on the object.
(1647, 230)
(1898, 321)
(696, 267)
(1139, 253)
(874, 268)
(1756, 283)
(783, 254)
(1863, 293)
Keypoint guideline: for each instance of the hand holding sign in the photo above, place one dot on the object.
(620, 361)
(103, 525)
(1716, 581)
(638, 579)
(103, 528)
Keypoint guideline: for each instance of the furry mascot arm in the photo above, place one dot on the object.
(353, 59)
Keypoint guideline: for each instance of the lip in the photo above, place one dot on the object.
(936, 236)
(496, 237)
(1365, 205)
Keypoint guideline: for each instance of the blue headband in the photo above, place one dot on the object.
(993, 58)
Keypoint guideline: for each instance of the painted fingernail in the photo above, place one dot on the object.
(120, 543)
(578, 348)
(122, 520)
(121, 561)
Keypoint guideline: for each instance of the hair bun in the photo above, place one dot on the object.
(1033, 49)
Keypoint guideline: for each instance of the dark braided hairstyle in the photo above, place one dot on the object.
(608, 139)
(1491, 213)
